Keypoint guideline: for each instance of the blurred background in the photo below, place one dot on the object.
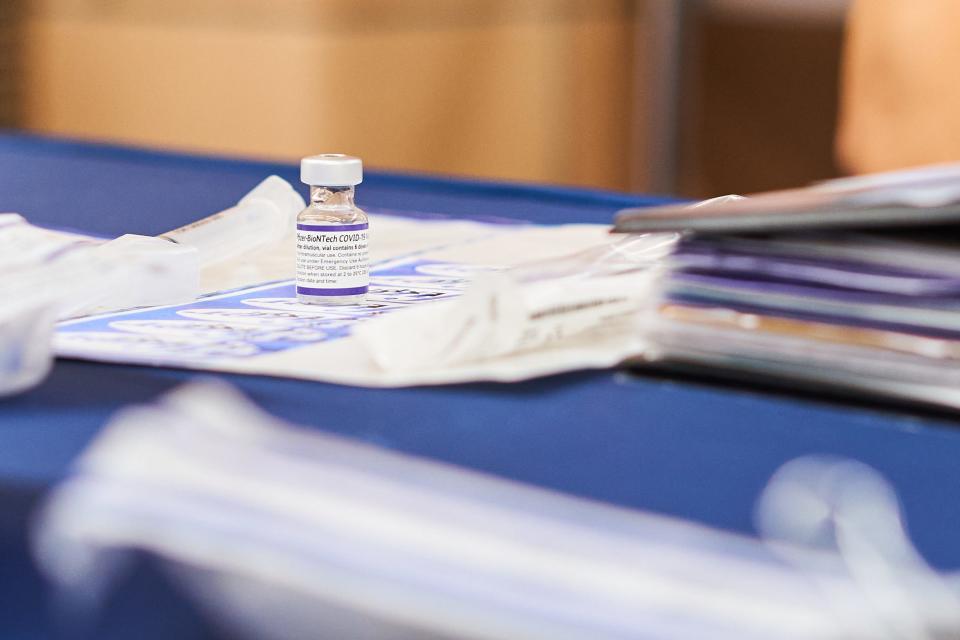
(694, 97)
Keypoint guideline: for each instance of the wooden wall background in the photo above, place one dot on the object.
(525, 89)
(559, 91)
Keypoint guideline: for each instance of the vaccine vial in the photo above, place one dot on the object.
(332, 263)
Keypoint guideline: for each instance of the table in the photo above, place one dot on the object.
(669, 445)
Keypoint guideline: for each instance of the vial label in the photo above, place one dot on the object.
(332, 259)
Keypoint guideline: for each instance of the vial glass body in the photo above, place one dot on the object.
(332, 263)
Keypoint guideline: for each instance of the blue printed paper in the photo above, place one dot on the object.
(253, 321)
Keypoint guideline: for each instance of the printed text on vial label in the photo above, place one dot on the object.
(332, 260)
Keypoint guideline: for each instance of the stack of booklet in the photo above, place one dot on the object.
(850, 285)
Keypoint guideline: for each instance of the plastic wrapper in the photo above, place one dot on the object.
(127, 272)
(281, 533)
(263, 217)
(529, 307)
(52, 275)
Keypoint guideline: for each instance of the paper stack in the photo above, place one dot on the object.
(849, 286)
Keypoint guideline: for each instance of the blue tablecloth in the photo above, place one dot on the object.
(673, 446)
